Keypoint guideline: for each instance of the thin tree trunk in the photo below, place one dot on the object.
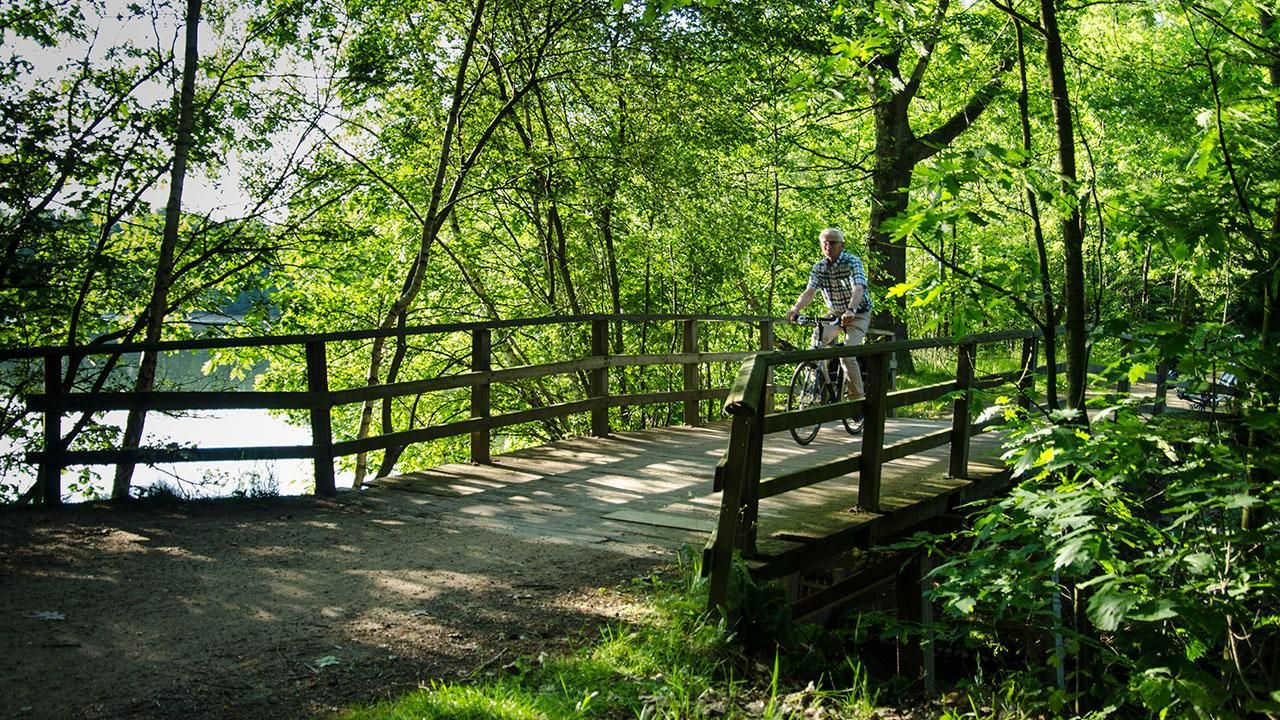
(1072, 238)
(156, 308)
(1269, 333)
(1049, 326)
(432, 221)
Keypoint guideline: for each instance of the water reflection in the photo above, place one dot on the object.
(190, 370)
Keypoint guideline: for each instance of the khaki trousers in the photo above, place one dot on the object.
(854, 335)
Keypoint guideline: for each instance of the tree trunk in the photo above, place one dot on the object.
(890, 180)
(432, 221)
(1049, 326)
(156, 308)
(1072, 238)
(897, 152)
(1269, 333)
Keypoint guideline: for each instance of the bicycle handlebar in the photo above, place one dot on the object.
(811, 320)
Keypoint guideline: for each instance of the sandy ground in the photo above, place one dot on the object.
(279, 608)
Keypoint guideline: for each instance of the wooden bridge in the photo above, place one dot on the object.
(740, 485)
(655, 487)
(737, 487)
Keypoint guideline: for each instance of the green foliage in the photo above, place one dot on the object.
(1137, 524)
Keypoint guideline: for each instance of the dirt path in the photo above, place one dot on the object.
(279, 608)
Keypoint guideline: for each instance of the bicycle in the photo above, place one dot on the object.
(818, 383)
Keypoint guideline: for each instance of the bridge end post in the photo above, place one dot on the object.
(49, 476)
(965, 358)
(717, 558)
(1162, 388)
(692, 406)
(766, 345)
(600, 377)
(481, 362)
(321, 420)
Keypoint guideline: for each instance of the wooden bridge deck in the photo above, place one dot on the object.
(638, 489)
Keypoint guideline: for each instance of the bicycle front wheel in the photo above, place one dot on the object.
(806, 392)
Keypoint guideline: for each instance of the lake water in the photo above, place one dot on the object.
(206, 429)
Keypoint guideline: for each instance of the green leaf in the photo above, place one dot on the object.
(1110, 605)
(1164, 610)
(902, 288)
(1240, 501)
(1199, 563)
(1138, 371)
(1077, 550)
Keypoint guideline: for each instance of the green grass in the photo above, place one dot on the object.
(676, 662)
(938, 365)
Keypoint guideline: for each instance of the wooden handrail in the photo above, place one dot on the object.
(319, 400)
(92, 348)
(738, 476)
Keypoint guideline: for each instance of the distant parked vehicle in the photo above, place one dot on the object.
(1209, 394)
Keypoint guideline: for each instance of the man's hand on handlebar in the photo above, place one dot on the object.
(792, 315)
(846, 319)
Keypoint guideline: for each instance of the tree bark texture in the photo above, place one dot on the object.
(156, 308)
(1072, 237)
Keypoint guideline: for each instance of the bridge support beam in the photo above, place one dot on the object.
(915, 657)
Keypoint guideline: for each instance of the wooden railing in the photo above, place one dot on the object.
(320, 400)
(738, 476)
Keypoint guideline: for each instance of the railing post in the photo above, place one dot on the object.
(50, 474)
(692, 411)
(600, 377)
(717, 558)
(1027, 383)
(481, 362)
(965, 357)
(321, 420)
(1162, 388)
(750, 514)
(873, 413)
(1126, 349)
(766, 345)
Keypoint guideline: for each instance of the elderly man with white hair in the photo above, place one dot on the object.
(843, 282)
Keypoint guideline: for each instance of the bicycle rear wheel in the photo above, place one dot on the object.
(805, 392)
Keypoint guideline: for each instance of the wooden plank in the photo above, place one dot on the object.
(192, 400)
(702, 524)
(639, 489)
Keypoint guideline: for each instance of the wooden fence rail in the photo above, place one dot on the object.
(59, 399)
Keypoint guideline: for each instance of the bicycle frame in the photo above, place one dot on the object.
(816, 342)
(818, 382)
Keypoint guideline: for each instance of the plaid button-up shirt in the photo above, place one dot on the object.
(836, 281)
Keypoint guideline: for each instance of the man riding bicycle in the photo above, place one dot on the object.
(843, 282)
